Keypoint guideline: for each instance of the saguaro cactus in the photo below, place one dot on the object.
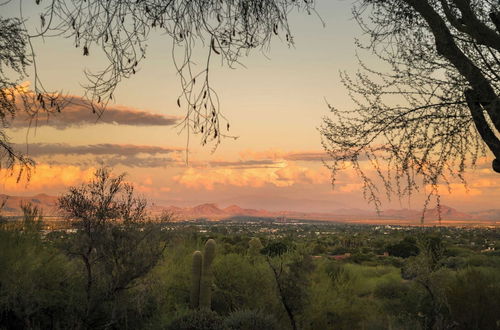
(202, 276)
(207, 275)
(195, 279)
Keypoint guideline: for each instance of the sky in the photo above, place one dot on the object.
(275, 104)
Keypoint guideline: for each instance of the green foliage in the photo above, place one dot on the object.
(42, 287)
(400, 301)
(432, 247)
(254, 247)
(202, 319)
(344, 296)
(39, 287)
(404, 249)
(427, 271)
(32, 218)
(170, 287)
(114, 242)
(474, 299)
(251, 320)
(275, 249)
(243, 283)
(292, 271)
(338, 273)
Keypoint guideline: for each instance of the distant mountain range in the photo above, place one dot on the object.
(212, 211)
(13, 204)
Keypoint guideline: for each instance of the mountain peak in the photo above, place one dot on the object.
(208, 209)
(233, 209)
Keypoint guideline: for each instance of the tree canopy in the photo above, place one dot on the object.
(432, 109)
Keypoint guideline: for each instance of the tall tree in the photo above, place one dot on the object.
(433, 107)
(114, 241)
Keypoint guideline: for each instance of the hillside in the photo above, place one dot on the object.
(12, 206)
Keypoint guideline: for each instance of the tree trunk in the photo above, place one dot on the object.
(282, 298)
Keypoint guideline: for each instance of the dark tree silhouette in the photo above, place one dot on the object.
(432, 108)
(13, 58)
(115, 240)
(228, 30)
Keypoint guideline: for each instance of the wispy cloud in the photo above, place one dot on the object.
(130, 161)
(276, 155)
(106, 154)
(265, 163)
(309, 156)
(49, 149)
(78, 112)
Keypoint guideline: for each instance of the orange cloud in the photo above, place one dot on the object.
(299, 174)
(46, 177)
(284, 176)
(476, 186)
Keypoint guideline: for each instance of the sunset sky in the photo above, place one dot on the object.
(274, 105)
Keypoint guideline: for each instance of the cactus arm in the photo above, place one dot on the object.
(207, 275)
(195, 279)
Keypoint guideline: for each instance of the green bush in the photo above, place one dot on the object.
(250, 320)
(241, 284)
(38, 285)
(198, 320)
(404, 249)
(474, 298)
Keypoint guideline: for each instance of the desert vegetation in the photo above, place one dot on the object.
(115, 267)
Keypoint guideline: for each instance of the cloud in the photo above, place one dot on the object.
(298, 174)
(276, 155)
(308, 156)
(104, 154)
(265, 159)
(77, 112)
(139, 162)
(285, 176)
(46, 176)
(257, 169)
(245, 163)
(50, 149)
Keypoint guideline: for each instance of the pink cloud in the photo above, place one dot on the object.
(284, 176)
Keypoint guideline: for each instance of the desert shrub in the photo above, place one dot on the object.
(250, 320)
(275, 249)
(455, 262)
(338, 272)
(197, 320)
(480, 260)
(39, 286)
(474, 299)
(404, 249)
(242, 284)
(400, 301)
